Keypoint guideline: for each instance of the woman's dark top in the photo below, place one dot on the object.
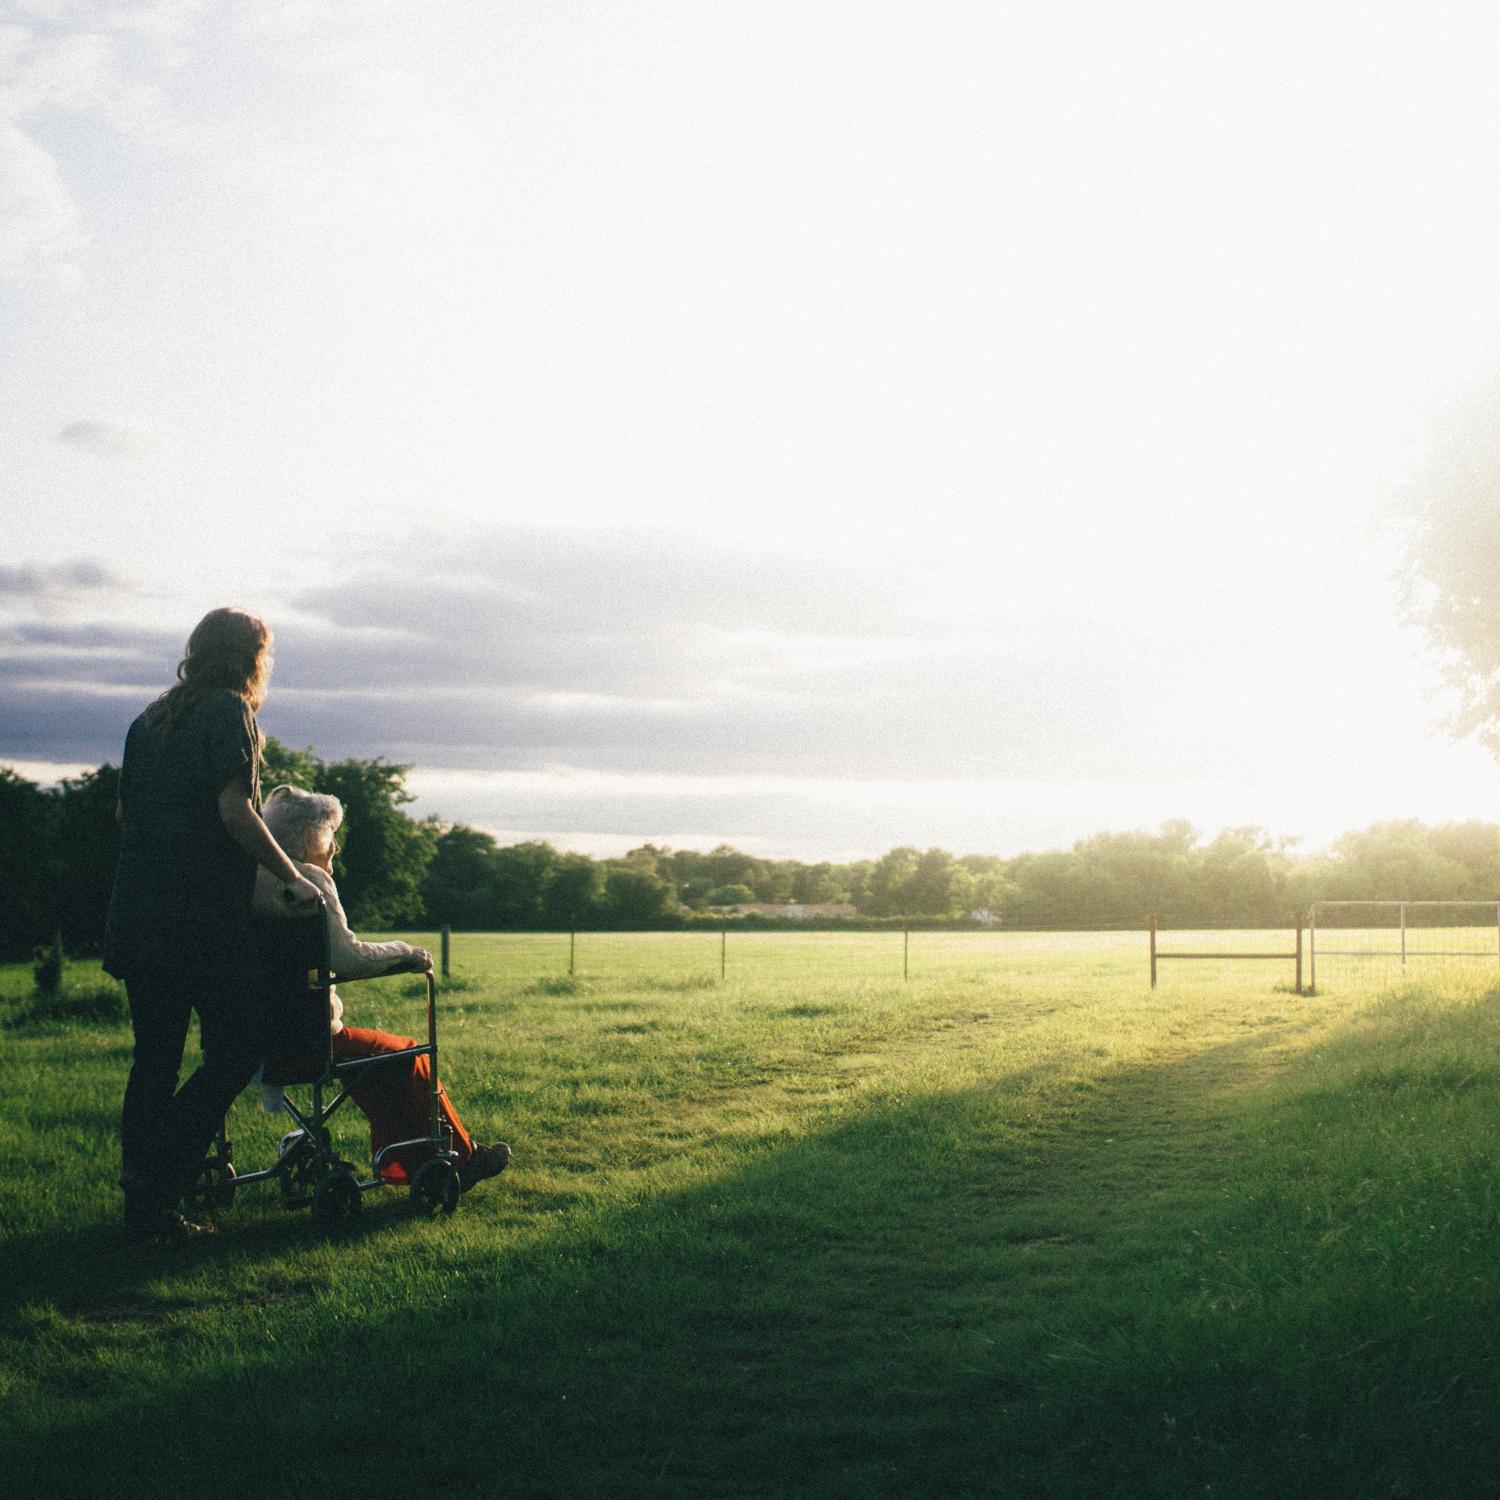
(183, 886)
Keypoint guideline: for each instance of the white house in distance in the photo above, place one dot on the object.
(798, 912)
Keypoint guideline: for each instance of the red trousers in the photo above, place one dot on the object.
(395, 1099)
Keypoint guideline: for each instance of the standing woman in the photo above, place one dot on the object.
(179, 919)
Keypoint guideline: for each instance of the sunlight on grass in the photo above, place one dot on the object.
(809, 1230)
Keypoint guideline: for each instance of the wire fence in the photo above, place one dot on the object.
(876, 956)
(1385, 941)
(1335, 944)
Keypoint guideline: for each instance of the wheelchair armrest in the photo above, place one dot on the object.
(400, 966)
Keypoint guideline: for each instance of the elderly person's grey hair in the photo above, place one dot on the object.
(303, 823)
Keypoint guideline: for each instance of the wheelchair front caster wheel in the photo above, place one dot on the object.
(214, 1189)
(435, 1188)
(221, 1194)
(336, 1199)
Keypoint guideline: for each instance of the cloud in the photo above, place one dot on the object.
(39, 231)
(66, 723)
(80, 575)
(635, 653)
(632, 652)
(107, 439)
(79, 72)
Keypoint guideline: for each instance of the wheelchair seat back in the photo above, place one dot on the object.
(294, 982)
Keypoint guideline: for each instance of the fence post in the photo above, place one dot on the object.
(723, 950)
(1403, 934)
(1297, 918)
(1152, 920)
(445, 936)
(1312, 949)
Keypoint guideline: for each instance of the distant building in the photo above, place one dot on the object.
(796, 911)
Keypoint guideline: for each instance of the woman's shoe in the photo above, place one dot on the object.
(487, 1161)
(162, 1224)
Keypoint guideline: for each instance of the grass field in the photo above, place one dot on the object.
(1021, 1226)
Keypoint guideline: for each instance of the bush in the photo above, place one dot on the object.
(98, 1003)
(47, 969)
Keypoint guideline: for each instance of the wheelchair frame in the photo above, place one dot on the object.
(308, 1169)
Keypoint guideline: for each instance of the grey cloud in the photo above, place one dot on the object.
(98, 655)
(68, 723)
(983, 715)
(97, 636)
(106, 439)
(578, 612)
(624, 654)
(555, 580)
(629, 652)
(77, 576)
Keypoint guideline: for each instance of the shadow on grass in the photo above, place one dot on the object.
(1114, 1290)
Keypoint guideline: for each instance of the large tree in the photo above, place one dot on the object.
(87, 845)
(458, 889)
(1452, 568)
(28, 862)
(574, 892)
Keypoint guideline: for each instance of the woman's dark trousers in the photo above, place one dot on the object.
(165, 1131)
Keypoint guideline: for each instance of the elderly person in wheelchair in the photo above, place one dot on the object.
(304, 824)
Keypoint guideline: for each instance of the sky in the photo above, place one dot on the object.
(812, 426)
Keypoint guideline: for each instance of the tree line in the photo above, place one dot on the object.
(58, 847)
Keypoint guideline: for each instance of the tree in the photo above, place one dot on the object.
(1475, 846)
(886, 890)
(856, 878)
(1059, 888)
(282, 766)
(724, 865)
(573, 895)
(774, 881)
(1451, 577)
(1395, 861)
(939, 886)
(730, 895)
(1242, 877)
(687, 874)
(1140, 872)
(458, 889)
(385, 853)
(87, 847)
(634, 894)
(815, 884)
(28, 865)
(522, 873)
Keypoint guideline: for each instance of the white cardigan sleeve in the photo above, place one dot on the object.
(348, 957)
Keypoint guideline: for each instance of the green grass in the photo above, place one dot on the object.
(1020, 1227)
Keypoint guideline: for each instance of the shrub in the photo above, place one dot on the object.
(47, 967)
(91, 1003)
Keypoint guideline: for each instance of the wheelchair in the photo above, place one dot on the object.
(295, 980)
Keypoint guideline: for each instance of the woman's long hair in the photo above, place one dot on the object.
(228, 651)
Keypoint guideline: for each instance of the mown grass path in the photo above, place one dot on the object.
(1026, 1230)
